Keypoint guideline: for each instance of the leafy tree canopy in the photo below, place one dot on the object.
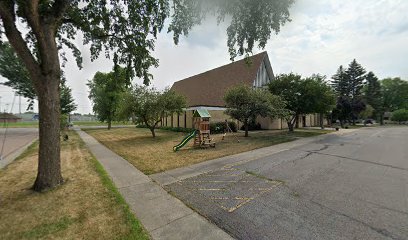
(18, 78)
(149, 106)
(395, 92)
(245, 104)
(105, 93)
(302, 96)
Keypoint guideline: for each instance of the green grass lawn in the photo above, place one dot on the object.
(86, 206)
(152, 155)
(97, 123)
(31, 124)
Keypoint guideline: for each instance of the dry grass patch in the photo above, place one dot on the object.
(87, 206)
(152, 155)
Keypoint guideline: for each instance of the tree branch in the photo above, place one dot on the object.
(59, 8)
(16, 40)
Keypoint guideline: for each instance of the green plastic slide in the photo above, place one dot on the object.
(184, 141)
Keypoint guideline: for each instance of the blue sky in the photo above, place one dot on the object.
(323, 35)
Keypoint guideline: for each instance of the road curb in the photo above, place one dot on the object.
(4, 162)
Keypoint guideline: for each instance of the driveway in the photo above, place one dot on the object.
(15, 139)
(353, 186)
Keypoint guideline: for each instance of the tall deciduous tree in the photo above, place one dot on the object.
(395, 92)
(105, 93)
(302, 96)
(149, 106)
(374, 96)
(126, 27)
(320, 95)
(245, 104)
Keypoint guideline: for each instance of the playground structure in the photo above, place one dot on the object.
(201, 133)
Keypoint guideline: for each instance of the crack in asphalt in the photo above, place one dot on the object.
(359, 160)
(381, 231)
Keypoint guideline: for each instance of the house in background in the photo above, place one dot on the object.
(207, 90)
(9, 118)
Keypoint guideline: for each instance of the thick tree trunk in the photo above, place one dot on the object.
(246, 128)
(49, 163)
(109, 124)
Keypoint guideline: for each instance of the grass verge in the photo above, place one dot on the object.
(97, 123)
(152, 155)
(86, 206)
(31, 124)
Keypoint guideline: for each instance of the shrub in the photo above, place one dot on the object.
(177, 129)
(400, 115)
(252, 126)
(219, 127)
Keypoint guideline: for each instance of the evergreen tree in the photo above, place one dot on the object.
(348, 85)
(355, 75)
(374, 96)
(339, 82)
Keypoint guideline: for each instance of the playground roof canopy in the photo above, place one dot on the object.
(201, 113)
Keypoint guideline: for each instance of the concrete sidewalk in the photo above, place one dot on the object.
(163, 216)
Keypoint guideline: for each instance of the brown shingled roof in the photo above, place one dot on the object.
(208, 88)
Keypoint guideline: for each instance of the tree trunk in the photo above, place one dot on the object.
(153, 132)
(296, 121)
(49, 162)
(291, 126)
(109, 124)
(246, 128)
(341, 123)
(381, 119)
(321, 120)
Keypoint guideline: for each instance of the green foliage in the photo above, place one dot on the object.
(18, 78)
(367, 113)
(318, 95)
(355, 74)
(245, 103)
(340, 83)
(106, 90)
(302, 96)
(252, 22)
(220, 127)
(395, 92)
(149, 106)
(374, 96)
(400, 115)
(348, 84)
(177, 129)
(63, 121)
(15, 72)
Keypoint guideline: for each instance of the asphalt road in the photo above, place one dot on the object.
(15, 139)
(342, 187)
